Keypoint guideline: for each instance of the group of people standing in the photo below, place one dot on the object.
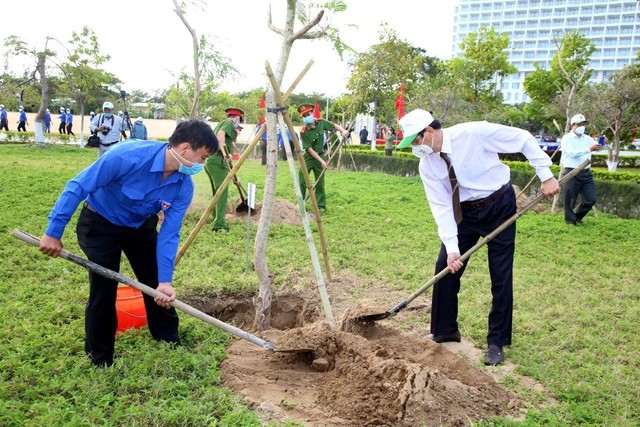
(23, 122)
(467, 187)
(66, 121)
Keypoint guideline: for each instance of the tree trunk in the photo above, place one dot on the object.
(195, 106)
(262, 302)
(44, 98)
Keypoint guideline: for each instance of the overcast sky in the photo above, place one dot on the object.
(149, 44)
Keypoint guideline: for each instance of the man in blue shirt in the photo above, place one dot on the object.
(139, 130)
(46, 120)
(22, 120)
(123, 191)
(62, 129)
(576, 148)
(69, 121)
(4, 122)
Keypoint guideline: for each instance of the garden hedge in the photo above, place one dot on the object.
(618, 192)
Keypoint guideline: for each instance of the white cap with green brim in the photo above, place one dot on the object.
(412, 124)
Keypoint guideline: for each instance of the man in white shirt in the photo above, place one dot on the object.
(108, 127)
(470, 195)
(576, 148)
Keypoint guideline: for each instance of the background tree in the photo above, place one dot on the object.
(209, 66)
(377, 73)
(482, 66)
(82, 70)
(19, 47)
(557, 88)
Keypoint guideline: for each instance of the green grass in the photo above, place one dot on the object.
(577, 302)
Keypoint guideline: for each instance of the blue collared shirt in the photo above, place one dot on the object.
(69, 118)
(125, 186)
(3, 114)
(23, 116)
(575, 150)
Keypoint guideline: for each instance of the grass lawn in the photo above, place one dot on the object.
(577, 302)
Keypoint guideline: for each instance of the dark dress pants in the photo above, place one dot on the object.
(580, 185)
(103, 243)
(477, 223)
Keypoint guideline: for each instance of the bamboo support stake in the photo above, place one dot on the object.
(282, 118)
(232, 173)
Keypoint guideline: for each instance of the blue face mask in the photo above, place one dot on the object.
(108, 115)
(236, 125)
(192, 170)
(187, 170)
(309, 119)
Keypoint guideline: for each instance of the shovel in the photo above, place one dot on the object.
(402, 305)
(110, 274)
(241, 205)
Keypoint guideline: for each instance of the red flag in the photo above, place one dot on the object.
(400, 106)
(262, 104)
(316, 111)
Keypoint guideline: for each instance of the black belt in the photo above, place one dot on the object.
(475, 204)
(109, 144)
(89, 207)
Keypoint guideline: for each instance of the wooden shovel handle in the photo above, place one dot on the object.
(110, 274)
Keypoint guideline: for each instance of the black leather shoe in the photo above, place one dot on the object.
(454, 337)
(494, 355)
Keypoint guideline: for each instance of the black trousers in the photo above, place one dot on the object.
(4, 124)
(69, 127)
(580, 185)
(22, 126)
(103, 243)
(477, 223)
(62, 128)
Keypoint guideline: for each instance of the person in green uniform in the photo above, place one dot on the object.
(388, 145)
(216, 167)
(312, 139)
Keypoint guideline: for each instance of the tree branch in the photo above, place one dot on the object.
(304, 30)
(272, 27)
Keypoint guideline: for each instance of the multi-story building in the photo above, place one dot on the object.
(612, 25)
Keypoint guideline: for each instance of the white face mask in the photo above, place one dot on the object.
(421, 151)
(580, 130)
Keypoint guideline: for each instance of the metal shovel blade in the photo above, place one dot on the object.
(292, 350)
(371, 317)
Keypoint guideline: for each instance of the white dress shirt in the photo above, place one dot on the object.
(473, 150)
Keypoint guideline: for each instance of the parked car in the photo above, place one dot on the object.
(548, 142)
(636, 143)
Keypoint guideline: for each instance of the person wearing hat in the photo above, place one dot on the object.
(4, 121)
(217, 166)
(62, 129)
(139, 130)
(312, 139)
(469, 193)
(22, 120)
(46, 121)
(108, 128)
(122, 193)
(69, 120)
(577, 147)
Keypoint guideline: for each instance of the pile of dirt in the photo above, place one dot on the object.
(358, 374)
(367, 375)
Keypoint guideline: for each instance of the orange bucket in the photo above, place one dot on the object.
(130, 309)
(236, 156)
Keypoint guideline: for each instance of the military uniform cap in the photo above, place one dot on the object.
(305, 108)
(234, 112)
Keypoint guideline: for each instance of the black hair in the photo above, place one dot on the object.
(197, 133)
(435, 125)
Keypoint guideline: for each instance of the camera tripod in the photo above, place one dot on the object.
(125, 118)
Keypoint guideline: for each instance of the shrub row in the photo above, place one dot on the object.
(13, 137)
(618, 192)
